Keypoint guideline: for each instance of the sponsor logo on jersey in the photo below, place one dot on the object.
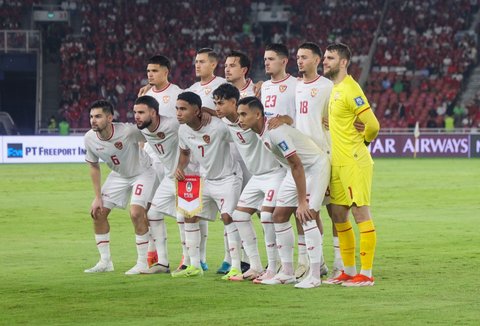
(15, 150)
(314, 92)
(359, 101)
(206, 138)
(283, 145)
(207, 90)
(161, 135)
(119, 145)
(166, 99)
(282, 88)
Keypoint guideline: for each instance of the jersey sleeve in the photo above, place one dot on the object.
(181, 142)
(89, 155)
(280, 137)
(136, 133)
(357, 100)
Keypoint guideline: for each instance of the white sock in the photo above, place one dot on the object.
(234, 244)
(285, 243)
(302, 250)
(158, 232)
(249, 238)
(192, 241)
(103, 246)
(313, 240)
(181, 229)
(350, 270)
(366, 272)
(142, 248)
(337, 257)
(245, 255)
(227, 256)
(270, 241)
(203, 240)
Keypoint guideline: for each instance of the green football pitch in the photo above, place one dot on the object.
(427, 263)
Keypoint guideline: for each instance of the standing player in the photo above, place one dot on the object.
(352, 166)
(311, 97)
(237, 66)
(260, 191)
(209, 145)
(158, 69)
(302, 191)
(132, 175)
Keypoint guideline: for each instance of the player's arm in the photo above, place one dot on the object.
(142, 91)
(277, 121)
(372, 126)
(96, 176)
(183, 160)
(303, 211)
(207, 115)
(257, 89)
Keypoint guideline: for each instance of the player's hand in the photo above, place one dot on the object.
(304, 214)
(179, 174)
(205, 119)
(257, 88)
(325, 123)
(144, 90)
(97, 207)
(274, 123)
(359, 126)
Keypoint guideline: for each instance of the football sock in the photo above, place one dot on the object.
(247, 233)
(192, 241)
(234, 244)
(302, 250)
(270, 241)
(337, 257)
(346, 236)
(227, 256)
(158, 232)
(181, 229)
(368, 241)
(203, 240)
(313, 241)
(103, 246)
(142, 248)
(285, 244)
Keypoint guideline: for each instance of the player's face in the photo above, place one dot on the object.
(307, 61)
(186, 112)
(331, 64)
(99, 120)
(224, 107)
(204, 66)
(143, 115)
(247, 118)
(274, 64)
(156, 74)
(233, 70)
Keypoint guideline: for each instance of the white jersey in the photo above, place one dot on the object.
(278, 97)
(286, 141)
(311, 107)
(121, 151)
(164, 141)
(247, 90)
(205, 91)
(166, 98)
(211, 148)
(257, 158)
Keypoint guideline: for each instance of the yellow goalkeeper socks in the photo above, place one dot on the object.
(368, 241)
(347, 246)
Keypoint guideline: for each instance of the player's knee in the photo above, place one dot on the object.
(239, 216)
(278, 217)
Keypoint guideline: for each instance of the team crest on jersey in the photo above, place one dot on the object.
(336, 96)
(206, 138)
(166, 99)
(282, 88)
(314, 92)
(359, 101)
(119, 145)
(161, 135)
(207, 90)
(283, 145)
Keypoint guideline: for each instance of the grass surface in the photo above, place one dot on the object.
(426, 213)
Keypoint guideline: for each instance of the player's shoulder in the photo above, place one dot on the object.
(89, 134)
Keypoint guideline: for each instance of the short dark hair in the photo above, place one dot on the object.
(191, 98)
(342, 49)
(279, 49)
(105, 105)
(211, 53)
(160, 60)
(312, 47)
(253, 103)
(227, 91)
(244, 59)
(149, 101)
